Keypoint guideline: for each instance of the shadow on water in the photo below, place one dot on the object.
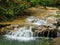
(40, 41)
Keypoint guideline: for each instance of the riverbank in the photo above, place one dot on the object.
(38, 12)
(38, 15)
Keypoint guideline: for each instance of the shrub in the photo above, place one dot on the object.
(13, 8)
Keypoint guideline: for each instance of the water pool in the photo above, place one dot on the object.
(4, 41)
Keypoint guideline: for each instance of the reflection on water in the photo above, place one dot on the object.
(4, 41)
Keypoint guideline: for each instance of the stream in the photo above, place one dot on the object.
(4, 41)
(24, 35)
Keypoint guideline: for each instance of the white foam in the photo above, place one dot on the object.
(19, 38)
(23, 34)
(36, 21)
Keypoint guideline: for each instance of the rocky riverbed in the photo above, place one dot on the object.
(44, 23)
(40, 27)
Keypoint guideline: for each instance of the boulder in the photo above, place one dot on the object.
(52, 11)
(58, 33)
(56, 41)
(51, 20)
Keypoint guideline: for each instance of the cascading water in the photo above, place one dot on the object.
(36, 21)
(24, 33)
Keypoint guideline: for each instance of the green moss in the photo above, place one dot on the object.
(57, 16)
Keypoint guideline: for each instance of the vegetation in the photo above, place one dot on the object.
(9, 9)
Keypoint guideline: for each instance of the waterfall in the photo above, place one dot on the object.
(24, 33)
(21, 34)
(36, 21)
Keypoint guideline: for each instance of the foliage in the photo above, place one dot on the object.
(12, 8)
(48, 2)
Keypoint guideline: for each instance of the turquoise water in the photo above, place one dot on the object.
(4, 41)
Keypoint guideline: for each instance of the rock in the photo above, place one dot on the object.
(51, 26)
(56, 41)
(58, 33)
(51, 20)
(53, 33)
(4, 25)
(59, 28)
(12, 26)
(3, 31)
(45, 31)
(58, 21)
(9, 28)
(58, 12)
(52, 11)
